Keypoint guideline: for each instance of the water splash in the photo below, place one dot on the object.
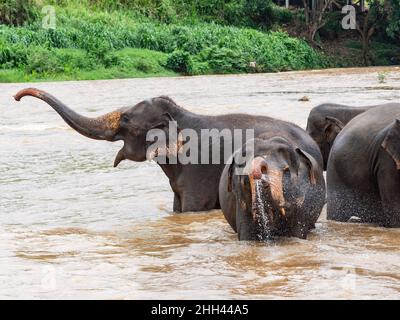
(262, 208)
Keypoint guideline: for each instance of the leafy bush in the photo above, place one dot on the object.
(17, 12)
(42, 60)
(90, 40)
(281, 15)
(180, 61)
(142, 60)
(222, 60)
(393, 28)
(260, 12)
(250, 13)
(163, 10)
(12, 56)
(385, 54)
(332, 27)
(233, 13)
(74, 59)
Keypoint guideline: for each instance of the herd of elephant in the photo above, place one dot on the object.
(284, 191)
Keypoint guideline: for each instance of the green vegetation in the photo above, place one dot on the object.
(76, 64)
(244, 13)
(18, 12)
(393, 28)
(103, 39)
(98, 39)
(382, 53)
(382, 77)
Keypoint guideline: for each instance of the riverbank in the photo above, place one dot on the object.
(89, 42)
(110, 39)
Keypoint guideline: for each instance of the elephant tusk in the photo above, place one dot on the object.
(119, 158)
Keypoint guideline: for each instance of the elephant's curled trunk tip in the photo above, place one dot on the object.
(28, 92)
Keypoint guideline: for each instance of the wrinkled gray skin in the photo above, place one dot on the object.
(363, 176)
(195, 186)
(290, 193)
(327, 120)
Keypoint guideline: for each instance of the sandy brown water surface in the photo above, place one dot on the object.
(72, 226)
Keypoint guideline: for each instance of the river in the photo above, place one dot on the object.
(72, 226)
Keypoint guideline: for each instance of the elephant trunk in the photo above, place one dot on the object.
(102, 128)
(266, 179)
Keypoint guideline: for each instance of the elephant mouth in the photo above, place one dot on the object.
(272, 215)
(119, 157)
(268, 215)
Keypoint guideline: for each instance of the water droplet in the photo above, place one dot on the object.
(262, 206)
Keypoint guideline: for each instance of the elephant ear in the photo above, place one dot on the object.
(233, 166)
(391, 143)
(332, 128)
(162, 127)
(230, 174)
(311, 163)
(163, 122)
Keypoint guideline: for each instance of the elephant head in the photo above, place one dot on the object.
(270, 191)
(391, 142)
(130, 124)
(324, 130)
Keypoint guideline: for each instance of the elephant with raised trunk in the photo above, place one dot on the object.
(327, 120)
(195, 186)
(363, 176)
(279, 192)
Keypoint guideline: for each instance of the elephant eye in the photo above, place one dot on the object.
(124, 119)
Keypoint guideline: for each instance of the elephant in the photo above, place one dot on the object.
(195, 186)
(281, 190)
(363, 175)
(325, 121)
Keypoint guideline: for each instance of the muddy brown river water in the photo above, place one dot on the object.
(71, 226)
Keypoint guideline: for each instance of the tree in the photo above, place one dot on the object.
(393, 9)
(366, 24)
(17, 12)
(314, 12)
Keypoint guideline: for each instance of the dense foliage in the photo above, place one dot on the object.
(250, 13)
(86, 40)
(17, 12)
(393, 28)
(126, 38)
